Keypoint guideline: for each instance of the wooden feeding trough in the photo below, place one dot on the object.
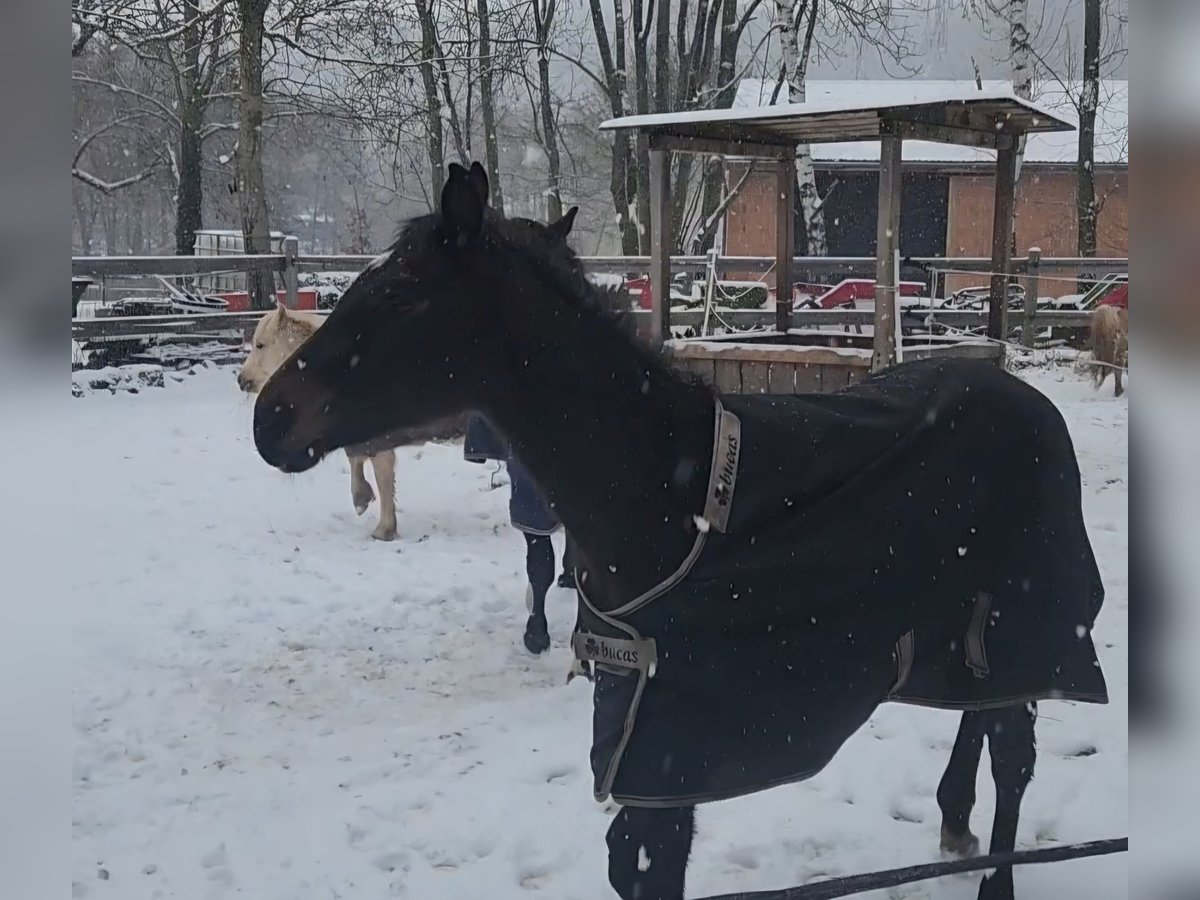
(789, 360)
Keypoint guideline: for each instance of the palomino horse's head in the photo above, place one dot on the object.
(276, 337)
(414, 337)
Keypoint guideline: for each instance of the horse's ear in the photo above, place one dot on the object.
(281, 309)
(562, 227)
(480, 180)
(462, 206)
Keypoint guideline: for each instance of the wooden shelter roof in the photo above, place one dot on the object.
(990, 119)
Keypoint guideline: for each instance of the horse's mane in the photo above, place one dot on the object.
(556, 264)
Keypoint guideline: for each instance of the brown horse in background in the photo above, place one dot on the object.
(1110, 345)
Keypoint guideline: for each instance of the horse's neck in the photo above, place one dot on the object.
(622, 457)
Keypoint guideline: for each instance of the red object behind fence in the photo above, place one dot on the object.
(238, 301)
(852, 289)
(641, 287)
(1118, 296)
(306, 298)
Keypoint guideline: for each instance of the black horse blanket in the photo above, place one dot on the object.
(917, 537)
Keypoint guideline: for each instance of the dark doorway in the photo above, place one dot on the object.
(851, 211)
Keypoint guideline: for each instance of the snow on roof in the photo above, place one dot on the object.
(1112, 117)
(853, 109)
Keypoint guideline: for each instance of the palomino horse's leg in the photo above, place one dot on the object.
(1013, 749)
(384, 465)
(539, 567)
(956, 792)
(360, 488)
(648, 852)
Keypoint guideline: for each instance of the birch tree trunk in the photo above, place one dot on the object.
(251, 185)
(794, 73)
(1022, 76)
(487, 101)
(1088, 102)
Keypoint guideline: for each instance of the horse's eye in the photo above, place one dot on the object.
(260, 346)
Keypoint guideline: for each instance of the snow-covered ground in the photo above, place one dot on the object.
(268, 704)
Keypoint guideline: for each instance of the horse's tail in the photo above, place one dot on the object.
(1108, 333)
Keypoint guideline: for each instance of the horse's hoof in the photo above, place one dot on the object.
(960, 846)
(362, 499)
(384, 533)
(536, 640)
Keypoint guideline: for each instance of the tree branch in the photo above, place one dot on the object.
(110, 187)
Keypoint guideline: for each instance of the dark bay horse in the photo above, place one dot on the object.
(918, 537)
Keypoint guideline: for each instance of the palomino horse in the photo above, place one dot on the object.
(757, 574)
(1110, 345)
(276, 337)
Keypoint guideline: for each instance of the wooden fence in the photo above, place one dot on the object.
(290, 264)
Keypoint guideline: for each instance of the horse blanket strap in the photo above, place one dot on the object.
(976, 654)
(905, 647)
(722, 480)
(917, 537)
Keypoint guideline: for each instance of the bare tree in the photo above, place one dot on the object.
(643, 16)
(487, 102)
(1089, 100)
(622, 179)
(543, 22)
(251, 185)
(184, 42)
(433, 103)
(791, 15)
(1046, 50)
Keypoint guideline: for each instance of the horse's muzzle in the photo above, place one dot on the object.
(274, 438)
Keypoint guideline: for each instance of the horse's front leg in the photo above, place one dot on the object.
(648, 852)
(539, 568)
(384, 465)
(360, 489)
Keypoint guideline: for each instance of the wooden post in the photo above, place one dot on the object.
(291, 273)
(660, 245)
(1032, 270)
(1002, 229)
(785, 240)
(887, 250)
